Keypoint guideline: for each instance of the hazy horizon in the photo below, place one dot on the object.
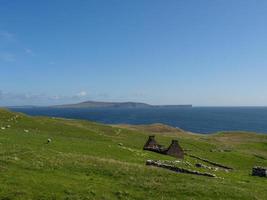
(204, 53)
(48, 105)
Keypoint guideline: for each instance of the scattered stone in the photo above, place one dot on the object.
(188, 163)
(8, 126)
(259, 171)
(129, 149)
(211, 162)
(120, 144)
(200, 165)
(176, 162)
(220, 150)
(26, 131)
(177, 169)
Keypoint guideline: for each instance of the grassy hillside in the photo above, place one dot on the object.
(87, 160)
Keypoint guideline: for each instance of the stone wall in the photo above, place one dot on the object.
(210, 162)
(259, 171)
(157, 163)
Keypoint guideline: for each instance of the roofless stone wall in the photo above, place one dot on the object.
(259, 171)
(174, 149)
(157, 163)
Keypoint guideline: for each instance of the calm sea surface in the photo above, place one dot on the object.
(196, 119)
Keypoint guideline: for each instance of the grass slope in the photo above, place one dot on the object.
(87, 160)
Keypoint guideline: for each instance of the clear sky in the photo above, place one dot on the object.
(206, 53)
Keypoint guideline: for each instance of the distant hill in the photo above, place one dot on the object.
(97, 104)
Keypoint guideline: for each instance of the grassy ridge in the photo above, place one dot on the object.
(87, 160)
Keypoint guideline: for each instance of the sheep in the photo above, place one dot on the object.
(49, 140)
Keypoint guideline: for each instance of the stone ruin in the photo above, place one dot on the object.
(174, 149)
(152, 145)
(259, 171)
(157, 163)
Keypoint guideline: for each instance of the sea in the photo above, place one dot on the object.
(204, 120)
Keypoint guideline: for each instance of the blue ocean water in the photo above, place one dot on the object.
(195, 119)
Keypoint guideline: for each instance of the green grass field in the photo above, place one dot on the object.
(86, 160)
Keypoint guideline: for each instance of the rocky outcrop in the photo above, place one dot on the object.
(259, 171)
(177, 169)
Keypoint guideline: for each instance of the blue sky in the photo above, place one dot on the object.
(206, 53)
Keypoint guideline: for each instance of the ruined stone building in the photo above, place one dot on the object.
(152, 145)
(174, 149)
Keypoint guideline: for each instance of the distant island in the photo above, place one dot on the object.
(97, 104)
